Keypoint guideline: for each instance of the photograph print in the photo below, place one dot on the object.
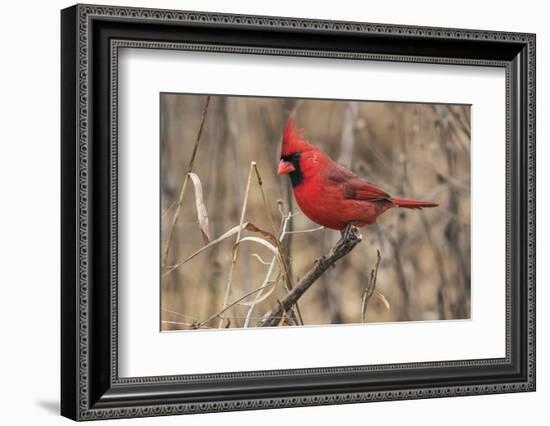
(284, 212)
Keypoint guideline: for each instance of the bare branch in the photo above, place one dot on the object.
(350, 238)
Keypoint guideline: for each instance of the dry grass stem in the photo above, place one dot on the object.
(383, 299)
(350, 238)
(182, 191)
(271, 222)
(236, 246)
(229, 306)
(370, 288)
(305, 231)
(259, 258)
(284, 223)
(235, 230)
(216, 265)
(272, 284)
(264, 243)
(167, 209)
(192, 325)
(202, 214)
(286, 269)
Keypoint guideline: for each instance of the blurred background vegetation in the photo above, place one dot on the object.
(419, 151)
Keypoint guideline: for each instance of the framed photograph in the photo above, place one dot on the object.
(263, 212)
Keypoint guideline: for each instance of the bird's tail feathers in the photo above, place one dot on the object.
(412, 204)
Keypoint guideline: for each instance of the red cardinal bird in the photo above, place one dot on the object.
(328, 193)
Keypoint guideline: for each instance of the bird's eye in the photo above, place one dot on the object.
(296, 155)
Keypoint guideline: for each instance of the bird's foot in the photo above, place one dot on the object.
(350, 232)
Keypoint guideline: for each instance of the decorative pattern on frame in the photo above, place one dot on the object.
(85, 14)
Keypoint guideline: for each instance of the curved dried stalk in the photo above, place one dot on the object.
(236, 247)
(286, 267)
(183, 186)
(286, 218)
(271, 264)
(247, 225)
(202, 214)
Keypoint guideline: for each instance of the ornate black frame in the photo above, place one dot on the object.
(91, 37)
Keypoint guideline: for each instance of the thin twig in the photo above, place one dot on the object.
(236, 246)
(290, 109)
(227, 234)
(284, 222)
(452, 229)
(465, 127)
(271, 222)
(288, 278)
(331, 296)
(187, 324)
(400, 271)
(428, 230)
(263, 262)
(232, 110)
(240, 299)
(263, 286)
(167, 209)
(182, 191)
(178, 313)
(350, 238)
(305, 231)
(369, 289)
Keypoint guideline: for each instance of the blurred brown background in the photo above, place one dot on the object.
(419, 151)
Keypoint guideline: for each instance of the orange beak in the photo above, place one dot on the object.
(285, 167)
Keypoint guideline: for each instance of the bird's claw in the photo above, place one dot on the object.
(350, 231)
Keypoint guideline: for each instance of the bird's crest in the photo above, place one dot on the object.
(292, 139)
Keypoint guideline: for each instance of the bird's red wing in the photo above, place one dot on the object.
(354, 187)
(360, 189)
